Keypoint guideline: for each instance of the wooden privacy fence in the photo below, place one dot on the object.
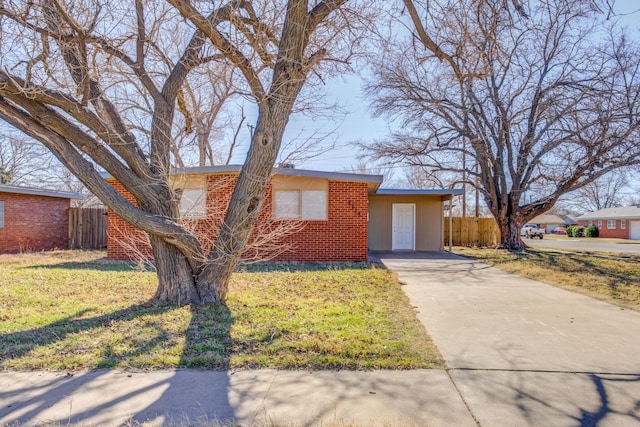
(87, 228)
(471, 231)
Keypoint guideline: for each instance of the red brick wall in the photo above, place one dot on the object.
(34, 223)
(618, 233)
(342, 237)
(124, 241)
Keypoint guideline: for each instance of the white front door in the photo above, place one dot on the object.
(634, 230)
(404, 223)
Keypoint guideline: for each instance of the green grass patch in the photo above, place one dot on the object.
(76, 310)
(612, 279)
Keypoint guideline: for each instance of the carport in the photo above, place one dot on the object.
(408, 220)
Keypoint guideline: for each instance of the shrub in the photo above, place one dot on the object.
(570, 230)
(592, 231)
(578, 231)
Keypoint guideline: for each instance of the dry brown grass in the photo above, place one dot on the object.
(614, 280)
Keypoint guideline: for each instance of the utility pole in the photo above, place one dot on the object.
(477, 192)
(464, 177)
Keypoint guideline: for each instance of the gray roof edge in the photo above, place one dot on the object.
(414, 192)
(626, 212)
(344, 176)
(4, 188)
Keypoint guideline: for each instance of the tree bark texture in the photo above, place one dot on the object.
(69, 85)
(176, 280)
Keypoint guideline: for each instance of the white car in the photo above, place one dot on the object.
(532, 231)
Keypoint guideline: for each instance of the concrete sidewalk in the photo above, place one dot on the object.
(247, 398)
(523, 353)
(520, 353)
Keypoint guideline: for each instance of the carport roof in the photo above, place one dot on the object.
(446, 194)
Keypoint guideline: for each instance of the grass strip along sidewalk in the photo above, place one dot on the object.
(72, 310)
(613, 280)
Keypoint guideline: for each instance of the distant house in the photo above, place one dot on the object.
(34, 219)
(622, 223)
(324, 216)
(547, 222)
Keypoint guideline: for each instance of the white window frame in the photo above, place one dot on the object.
(193, 203)
(1, 214)
(609, 223)
(599, 224)
(623, 224)
(312, 205)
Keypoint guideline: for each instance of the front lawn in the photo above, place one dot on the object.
(74, 310)
(612, 279)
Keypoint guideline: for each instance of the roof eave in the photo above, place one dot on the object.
(373, 180)
(422, 192)
(31, 191)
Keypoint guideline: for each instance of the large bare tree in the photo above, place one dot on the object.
(541, 96)
(605, 192)
(70, 74)
(23, 161)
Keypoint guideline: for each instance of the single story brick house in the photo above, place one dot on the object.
(621, 223)
(307, 215)
(34, 219)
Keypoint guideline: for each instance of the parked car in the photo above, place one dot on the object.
(559, 230)
(532, 231)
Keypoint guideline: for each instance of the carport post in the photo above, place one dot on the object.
(450, 224)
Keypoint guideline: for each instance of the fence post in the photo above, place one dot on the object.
(87, 228)
(472, 231)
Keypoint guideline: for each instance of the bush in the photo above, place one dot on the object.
(592, 231)
(578, 231)
(570, 230)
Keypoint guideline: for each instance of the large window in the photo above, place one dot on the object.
(611, 224)
(193, 203)
(1, 214)
(300, 204)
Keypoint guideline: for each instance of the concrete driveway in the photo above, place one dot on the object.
(522, 352)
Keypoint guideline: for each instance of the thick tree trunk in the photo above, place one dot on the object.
(510, 234)
(176, 281)
(244, 208)
(289, 74)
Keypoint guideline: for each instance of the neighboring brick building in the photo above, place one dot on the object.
(33, 219)
(307, 215)
(621, 223)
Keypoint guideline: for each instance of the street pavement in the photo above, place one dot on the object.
(520, 353)
(620, 247)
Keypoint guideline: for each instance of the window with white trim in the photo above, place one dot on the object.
(193, 203)
(623, 224)
(1, 214)
(611, 224)
(300, 204)
(590, 223)
(599, 224)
